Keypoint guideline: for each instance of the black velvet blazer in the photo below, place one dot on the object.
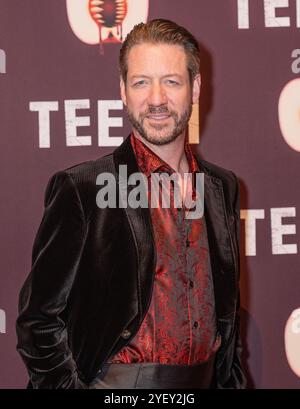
(92, 274)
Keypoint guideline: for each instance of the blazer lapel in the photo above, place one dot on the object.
(221, 246)
(140, 223)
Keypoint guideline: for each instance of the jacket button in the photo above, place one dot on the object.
(126, 334)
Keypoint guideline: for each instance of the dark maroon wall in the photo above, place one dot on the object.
(244, 71)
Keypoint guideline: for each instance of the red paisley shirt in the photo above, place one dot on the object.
(180, 325)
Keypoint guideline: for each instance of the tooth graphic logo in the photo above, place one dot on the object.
(289, 113)
(109, 13)
(105, 21)
(292, 339)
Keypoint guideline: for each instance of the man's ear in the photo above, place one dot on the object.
(123, 91)
(196, 88)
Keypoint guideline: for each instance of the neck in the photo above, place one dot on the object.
(172, 153)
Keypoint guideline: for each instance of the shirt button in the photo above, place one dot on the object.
(187, 243)
(191, 284)
(125, 334)
(195, 324)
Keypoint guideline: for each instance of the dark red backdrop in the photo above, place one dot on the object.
(244, 71)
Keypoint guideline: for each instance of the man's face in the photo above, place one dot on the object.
(158, 94)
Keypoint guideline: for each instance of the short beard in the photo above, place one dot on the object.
(180, 124)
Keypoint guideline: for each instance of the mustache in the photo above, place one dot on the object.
(157, 110)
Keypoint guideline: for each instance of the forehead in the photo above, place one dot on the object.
(156, 59)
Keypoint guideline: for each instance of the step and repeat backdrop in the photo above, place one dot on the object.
(60, 105)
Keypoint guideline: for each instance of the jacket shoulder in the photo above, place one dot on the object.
(88, 170)
(217, 171)
(82, 177)
(228, 180)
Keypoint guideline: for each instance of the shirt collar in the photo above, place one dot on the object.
(149, 162)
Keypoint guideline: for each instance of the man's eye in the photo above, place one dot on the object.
(139, 83)
(172, 82)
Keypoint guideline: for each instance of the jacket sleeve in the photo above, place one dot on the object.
(41, 330)
(237, 378)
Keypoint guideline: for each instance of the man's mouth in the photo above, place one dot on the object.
(158, 117)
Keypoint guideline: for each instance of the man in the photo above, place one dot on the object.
(138, 297)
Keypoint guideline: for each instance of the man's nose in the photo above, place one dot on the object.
(157, 95)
